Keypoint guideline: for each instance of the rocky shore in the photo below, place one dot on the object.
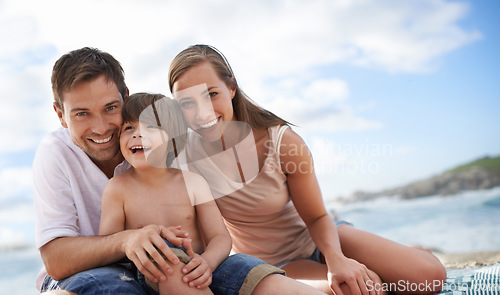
(480, 174)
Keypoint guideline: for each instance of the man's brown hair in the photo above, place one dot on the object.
(83, 65)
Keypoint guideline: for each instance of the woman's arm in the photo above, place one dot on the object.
(306, 196)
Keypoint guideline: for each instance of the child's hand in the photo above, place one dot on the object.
(198, 273)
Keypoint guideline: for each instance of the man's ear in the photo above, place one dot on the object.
(60, 114)
(126, 95)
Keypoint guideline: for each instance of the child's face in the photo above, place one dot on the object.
(143, 144)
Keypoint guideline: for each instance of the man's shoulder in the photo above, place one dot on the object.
(57, 146)
(57, 139)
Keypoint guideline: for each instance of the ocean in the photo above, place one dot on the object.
(468, 221)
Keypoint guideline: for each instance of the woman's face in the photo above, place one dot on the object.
(205, 100)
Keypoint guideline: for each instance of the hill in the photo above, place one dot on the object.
(479, 174)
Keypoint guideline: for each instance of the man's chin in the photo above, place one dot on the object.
(102, 155)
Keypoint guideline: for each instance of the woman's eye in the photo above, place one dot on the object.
(186, 104)
(212, 94)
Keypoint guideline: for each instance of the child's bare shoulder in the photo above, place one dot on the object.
(119, 182)
(193, 177)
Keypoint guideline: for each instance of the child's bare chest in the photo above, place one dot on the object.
(167, 206)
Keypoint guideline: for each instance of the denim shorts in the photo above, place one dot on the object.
(107, 280)
(238, 274)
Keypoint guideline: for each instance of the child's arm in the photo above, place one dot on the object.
(214, 231)
(112, 214)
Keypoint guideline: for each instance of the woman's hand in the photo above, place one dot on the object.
(145, 244)
(358, 278)
(198, 272)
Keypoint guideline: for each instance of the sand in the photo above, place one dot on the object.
(469, 259)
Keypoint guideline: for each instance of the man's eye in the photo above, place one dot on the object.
(81, 114)
(110, 108)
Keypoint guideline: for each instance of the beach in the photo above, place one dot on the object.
(468, 259)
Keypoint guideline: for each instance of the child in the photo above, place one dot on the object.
(152, 193)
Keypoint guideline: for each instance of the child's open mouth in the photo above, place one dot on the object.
(139, 148)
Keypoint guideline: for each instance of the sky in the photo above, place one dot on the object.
(383, 92)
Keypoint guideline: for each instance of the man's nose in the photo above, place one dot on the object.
(100, 125)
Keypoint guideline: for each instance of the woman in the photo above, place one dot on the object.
(262, 174)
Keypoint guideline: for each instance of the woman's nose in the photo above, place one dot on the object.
(205, 110)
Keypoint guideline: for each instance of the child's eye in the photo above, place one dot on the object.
(154, 127)
(128, 127)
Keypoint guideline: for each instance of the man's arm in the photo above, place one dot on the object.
(66, 256)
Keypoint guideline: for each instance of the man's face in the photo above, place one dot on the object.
(92, 111)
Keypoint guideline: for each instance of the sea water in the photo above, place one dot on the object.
(468, 221)
(464, 222)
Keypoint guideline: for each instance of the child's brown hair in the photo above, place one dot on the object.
(158, 110)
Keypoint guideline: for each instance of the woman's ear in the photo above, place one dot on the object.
(233, 87)
(60, 114)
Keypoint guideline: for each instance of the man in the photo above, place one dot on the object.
(71, 168)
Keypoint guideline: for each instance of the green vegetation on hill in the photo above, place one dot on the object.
(490, 164)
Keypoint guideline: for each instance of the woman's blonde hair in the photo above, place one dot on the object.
(244, 108)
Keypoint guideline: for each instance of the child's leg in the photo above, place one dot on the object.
(393, 262)
(175, 285)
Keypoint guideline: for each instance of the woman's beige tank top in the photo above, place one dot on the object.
(259, 214)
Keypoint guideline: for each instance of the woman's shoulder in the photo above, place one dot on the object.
(292, 147)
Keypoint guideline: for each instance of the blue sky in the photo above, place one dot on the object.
(384, 92)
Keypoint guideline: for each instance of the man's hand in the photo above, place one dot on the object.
(198, 272)
(147, 243)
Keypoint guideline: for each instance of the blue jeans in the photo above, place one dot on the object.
(106, 280)
(238, 274)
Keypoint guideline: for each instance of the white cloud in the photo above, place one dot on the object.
(275, 48)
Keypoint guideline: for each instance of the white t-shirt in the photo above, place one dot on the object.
(68, 189)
